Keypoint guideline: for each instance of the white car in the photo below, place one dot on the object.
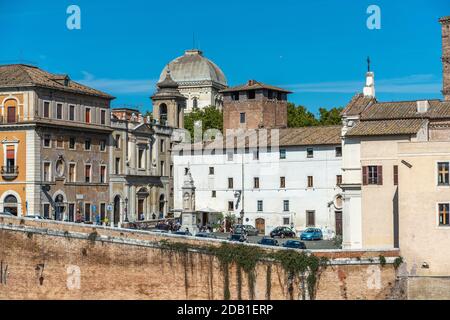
(34, 216)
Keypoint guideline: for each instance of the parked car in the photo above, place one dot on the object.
(9, 214)
(282, 232)
(268, 241)
(251, 230)
(311, 234)
(182, 233)
(294, 244)
(34, 216)
(162, 226)
(206, 235)
(237, 237)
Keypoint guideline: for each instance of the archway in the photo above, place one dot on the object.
(116, 210)
(142, 195)
(260, 224)
(162, 205)
(10, 204)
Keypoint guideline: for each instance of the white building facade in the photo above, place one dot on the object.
(295, 184)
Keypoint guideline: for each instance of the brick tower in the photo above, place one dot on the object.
(254, 105)
(445, 22)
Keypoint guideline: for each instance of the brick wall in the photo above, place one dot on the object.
(41, 260)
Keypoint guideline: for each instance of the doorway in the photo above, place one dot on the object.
(10, 204)
(338, 220)
(260, 224)
(116, 210)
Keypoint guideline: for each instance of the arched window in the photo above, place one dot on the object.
(10, 204)
(163, 113)
(194, 103)
(11, 110)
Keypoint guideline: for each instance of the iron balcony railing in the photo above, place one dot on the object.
(10, 171)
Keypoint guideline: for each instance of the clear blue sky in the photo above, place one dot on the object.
(316, 48)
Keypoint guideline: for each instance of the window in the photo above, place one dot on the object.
(235, 96)
(310, 218)
(242, 117)
(87, 173)
(59, 111)
(230, 183)
(60, 143)
(102, 145)
(117, 141)
(141, 158)
(310, 181)
(163, 168)
(171, 170)
(46, 210)
(309, 152)
(285, 205)
(230, 156)
(47, 172)
(443, 173)
(46, 109)
(72, 172)
(102, 116)
(338, 152)
(87, 115)
(72, 143)
(256, 155)
(72, 112)
(194, 103)
(161, 146)
(395, 175)
(372, 175)
(47, 141)
(256, 183)
(251, 94)
(211, 170)
(269, 94)
(338, 180)
(286, 221)
(87, 144)
(259, 205)
(230, 205)
(10, 159)
(87, 212)
(282, 182)
(102, 174)
(282, 153)
(213, 194)
(117, 166)
(443, 214)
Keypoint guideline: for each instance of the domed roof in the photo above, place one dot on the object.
(193, 67)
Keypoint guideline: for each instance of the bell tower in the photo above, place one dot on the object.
(169, 103)
(445, 23)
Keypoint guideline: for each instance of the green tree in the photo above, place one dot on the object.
(299, 116)
(211, 118)
(330, 117)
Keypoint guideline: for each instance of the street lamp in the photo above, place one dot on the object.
(126, 209)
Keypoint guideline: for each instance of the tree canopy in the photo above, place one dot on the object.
(299, 116)
(211, 117)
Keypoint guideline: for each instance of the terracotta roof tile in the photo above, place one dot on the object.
(21, 75)
(386, 127)
(357, 105)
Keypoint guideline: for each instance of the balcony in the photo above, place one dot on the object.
(10, 172)
(9, 119)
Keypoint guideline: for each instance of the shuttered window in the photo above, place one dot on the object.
(395, 175)
(372, 175)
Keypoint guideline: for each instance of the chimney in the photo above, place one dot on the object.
(445, 23)
(422, 106)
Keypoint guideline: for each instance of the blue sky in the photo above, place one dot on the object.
(317, 49)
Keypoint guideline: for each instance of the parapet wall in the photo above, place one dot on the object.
(54, 260)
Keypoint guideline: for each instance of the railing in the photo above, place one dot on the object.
(10, 172)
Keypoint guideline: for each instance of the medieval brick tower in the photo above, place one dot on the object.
(254, 105)
(445, 22)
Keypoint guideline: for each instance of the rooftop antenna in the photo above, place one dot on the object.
(193, 40)
(368, 64)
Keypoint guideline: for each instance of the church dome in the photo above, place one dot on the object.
(194, 67)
